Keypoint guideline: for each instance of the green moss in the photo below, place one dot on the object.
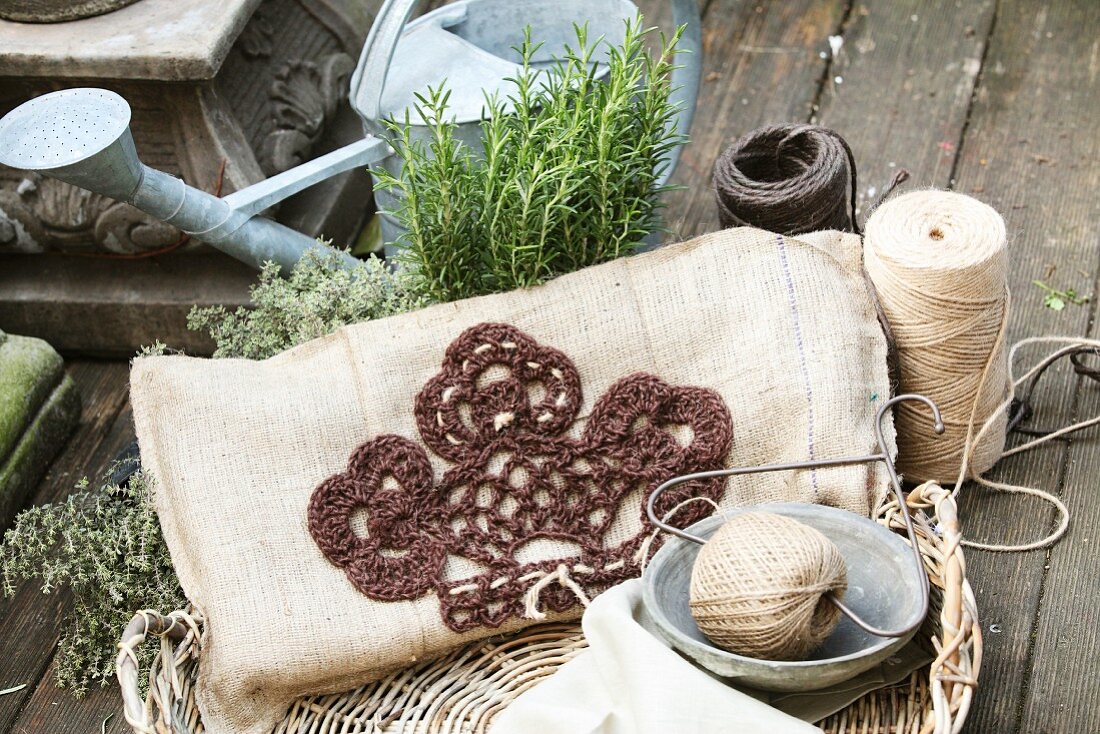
(40, 442)
(30, 369)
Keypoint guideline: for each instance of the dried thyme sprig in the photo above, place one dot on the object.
(105, 546)
(318, 298)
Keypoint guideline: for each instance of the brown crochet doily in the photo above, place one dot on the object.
(500, 411)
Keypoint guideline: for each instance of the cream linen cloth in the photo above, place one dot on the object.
(629, 682)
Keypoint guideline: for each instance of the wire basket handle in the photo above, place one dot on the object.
(883, 455)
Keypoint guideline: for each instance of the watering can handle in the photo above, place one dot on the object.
(369, 79)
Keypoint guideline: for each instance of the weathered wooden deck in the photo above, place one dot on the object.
(996, 98)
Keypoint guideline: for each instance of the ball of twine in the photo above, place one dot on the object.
(758, 584)
(789, 179)
(937, 261)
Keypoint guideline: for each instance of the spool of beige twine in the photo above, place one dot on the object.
(758, 587)
(938, 264)
(937, 261)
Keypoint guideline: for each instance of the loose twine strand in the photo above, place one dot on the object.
(1069, 345)
(643, 554)
(560, 575)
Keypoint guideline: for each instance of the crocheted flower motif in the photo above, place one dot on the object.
(500, 411)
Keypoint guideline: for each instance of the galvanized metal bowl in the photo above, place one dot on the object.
(883, 589)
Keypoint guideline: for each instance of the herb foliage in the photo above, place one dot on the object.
(566, 176)
(1056, 300)
(318, 298)
(105, 545)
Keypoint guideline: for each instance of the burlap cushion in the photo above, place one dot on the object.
(375, 497)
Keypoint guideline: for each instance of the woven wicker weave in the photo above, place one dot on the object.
(462, 692)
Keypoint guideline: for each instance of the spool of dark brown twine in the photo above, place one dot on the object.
(789, 179)
(792, 179)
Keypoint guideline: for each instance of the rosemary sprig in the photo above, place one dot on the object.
(566, 175)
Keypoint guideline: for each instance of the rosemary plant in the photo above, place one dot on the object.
(566, 176)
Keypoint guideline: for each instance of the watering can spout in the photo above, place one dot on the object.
(82, 137)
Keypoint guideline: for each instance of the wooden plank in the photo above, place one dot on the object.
(900, 86)
(1047, 67)
(1032, 164)
(1061, 692)
(53, 710)
(900, 91)
(29, 620)
(50, 708)
(761, 65)
(912, 81)
(1008, 586)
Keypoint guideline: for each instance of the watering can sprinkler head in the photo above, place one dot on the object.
(79, 136)
(82, 137)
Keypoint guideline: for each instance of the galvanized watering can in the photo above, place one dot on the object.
(82, 136)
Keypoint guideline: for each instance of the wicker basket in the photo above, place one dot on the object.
(463, 691)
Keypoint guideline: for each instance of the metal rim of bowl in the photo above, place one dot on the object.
(682, 642)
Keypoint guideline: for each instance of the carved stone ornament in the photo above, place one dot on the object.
(257, 38)
(304, 97)
(41, 210)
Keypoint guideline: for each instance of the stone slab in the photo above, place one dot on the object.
(56, 11)
(42, 440)
(110, 307)
(165, 40)
(29, 371)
